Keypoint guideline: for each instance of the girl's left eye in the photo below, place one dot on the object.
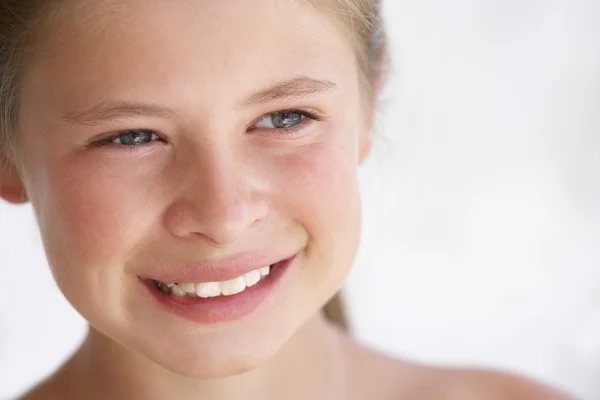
(135, 137)
(280, 120)
(286, 121)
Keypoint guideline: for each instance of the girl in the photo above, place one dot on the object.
(192, 165)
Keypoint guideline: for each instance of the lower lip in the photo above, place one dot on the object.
(223, 308)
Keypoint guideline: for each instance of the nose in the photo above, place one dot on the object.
(218, 200)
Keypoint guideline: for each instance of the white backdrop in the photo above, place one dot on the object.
(482, 203)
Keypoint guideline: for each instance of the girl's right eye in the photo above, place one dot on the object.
(136, 137)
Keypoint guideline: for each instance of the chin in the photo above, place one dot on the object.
(217, 354)
(218, 362)
(208, 368)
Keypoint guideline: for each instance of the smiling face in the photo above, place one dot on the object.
(158, 134)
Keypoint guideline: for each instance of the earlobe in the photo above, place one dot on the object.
(11, 185)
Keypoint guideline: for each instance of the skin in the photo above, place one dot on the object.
(215, 185)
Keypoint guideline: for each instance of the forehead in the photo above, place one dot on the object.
(223, 48)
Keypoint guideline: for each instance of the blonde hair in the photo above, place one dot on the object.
(21, 22)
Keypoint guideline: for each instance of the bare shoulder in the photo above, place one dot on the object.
(44, 391)
(469, 384)
(376, 375)
(54, 387)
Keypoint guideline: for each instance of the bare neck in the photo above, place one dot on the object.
(311, 365)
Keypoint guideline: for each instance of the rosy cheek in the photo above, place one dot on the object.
(319, 183)
(96, 209)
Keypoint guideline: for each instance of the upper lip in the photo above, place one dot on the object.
(215, 270)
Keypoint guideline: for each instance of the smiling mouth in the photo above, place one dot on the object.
(207, 290)
(220, 301)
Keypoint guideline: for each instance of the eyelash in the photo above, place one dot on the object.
(308, 117)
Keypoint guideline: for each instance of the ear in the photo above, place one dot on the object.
(11, 185)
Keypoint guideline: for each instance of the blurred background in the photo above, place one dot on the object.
(481, 242)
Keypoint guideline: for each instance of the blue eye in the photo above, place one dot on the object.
(135, 137)
(281, 120)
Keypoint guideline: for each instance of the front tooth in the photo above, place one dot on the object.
(177, 291)
(188, 288)
(210, 289)
(234, 286)
(264, 271)
(252, 278)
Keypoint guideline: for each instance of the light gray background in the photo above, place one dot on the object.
(481, 236)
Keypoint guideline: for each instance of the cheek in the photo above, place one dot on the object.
(319, 188)
(321, 182)
(89, 214)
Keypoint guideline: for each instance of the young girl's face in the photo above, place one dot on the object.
(193, 142)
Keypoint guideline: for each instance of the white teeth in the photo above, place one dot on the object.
(206, 290)
(177, 291)
(252, 278)
(234, 286)
(188, 288)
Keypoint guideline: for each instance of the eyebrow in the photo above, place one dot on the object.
(294, 89)
(115, 110)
